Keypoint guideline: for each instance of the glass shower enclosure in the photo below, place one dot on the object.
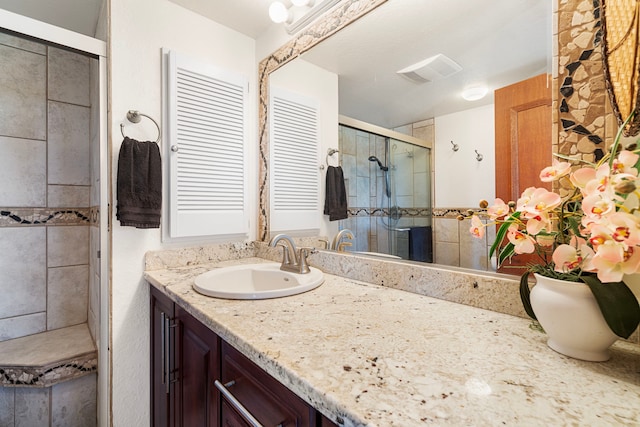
(388, 182)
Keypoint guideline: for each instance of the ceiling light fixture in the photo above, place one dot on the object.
(474, 93)
(279, 12)
(297, 14)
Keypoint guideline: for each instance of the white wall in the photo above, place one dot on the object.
(313, 82)
(139, 30)
(461, 180)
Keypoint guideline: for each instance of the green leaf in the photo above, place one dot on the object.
(617, 303)
(506, 252)
(524, 295)
(502, 232)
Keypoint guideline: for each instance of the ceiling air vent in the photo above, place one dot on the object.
(431, 69)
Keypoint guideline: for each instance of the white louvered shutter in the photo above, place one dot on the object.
(294, 160)
(207, 149)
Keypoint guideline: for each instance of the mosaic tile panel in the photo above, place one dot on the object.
(581, 88)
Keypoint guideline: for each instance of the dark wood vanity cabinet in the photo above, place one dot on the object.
(197, 379)
(271, 403)
(185, 362)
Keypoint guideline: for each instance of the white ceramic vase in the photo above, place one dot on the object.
(570, 316)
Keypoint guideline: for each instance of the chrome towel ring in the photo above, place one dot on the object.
(330, 152)
(135, 117)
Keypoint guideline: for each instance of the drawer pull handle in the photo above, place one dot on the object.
(236, 404)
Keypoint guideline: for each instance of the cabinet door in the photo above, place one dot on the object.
(270, 402)
(198, 361)
(162, 314)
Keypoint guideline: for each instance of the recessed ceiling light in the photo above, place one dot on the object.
(474, 93)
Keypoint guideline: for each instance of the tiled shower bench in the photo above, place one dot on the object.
(49, 378)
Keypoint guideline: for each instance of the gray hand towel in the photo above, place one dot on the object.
(335, 202)
(139, 186)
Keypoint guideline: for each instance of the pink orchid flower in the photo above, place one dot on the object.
(599, 184)
(538, 203)
(597, 206)
(523, 243)
(555, 172)
(613, 260)
(498, 210)
(539, 223)
(621, 227)
(581, 177)
(477, 227)
(625, 163)
(568, 258)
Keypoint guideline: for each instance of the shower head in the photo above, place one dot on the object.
(375, 159)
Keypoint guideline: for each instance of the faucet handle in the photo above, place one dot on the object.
(285, 254)
(325, 242)
(342, 245)
(303, 253)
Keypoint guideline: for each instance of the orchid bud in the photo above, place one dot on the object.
(625, 187)
(460, 218)
(511, 204)
(484, 204)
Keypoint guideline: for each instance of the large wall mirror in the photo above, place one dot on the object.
(496, 42)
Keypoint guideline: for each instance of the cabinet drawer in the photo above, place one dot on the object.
(271, 403)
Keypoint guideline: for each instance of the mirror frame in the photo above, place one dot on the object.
(345, 13)
(583, 124)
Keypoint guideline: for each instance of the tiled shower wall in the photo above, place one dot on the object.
(45, 187)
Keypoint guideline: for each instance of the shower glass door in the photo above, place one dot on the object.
(409, 209)
(389, 194)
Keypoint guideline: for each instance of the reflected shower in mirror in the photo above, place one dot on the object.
(388, 189)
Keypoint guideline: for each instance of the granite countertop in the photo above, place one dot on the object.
(368, 355)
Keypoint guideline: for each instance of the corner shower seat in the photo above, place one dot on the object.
(48, 358)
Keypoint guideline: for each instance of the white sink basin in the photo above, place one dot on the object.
(256, 281)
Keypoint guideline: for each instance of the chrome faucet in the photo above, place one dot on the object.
(339, 246)
(293, 259)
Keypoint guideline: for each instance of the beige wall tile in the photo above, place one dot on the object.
(447, 253)
(23, 168)
(32, 407)
(7, 406)
(73, 403)
(67, 246)
(67, 296)
(68, 76)
(21, 326)
(23, 271)
(23, 95)
(69, 153)
(446, 230)
(68, 196)
(24, 44)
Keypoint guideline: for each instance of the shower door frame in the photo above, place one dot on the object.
(22, 25)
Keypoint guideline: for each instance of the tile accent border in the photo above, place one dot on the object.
(345, 13)
(11, 217)
(410, 212)
(45, 376)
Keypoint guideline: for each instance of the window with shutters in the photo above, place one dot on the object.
(206, 149)
(294, 160)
